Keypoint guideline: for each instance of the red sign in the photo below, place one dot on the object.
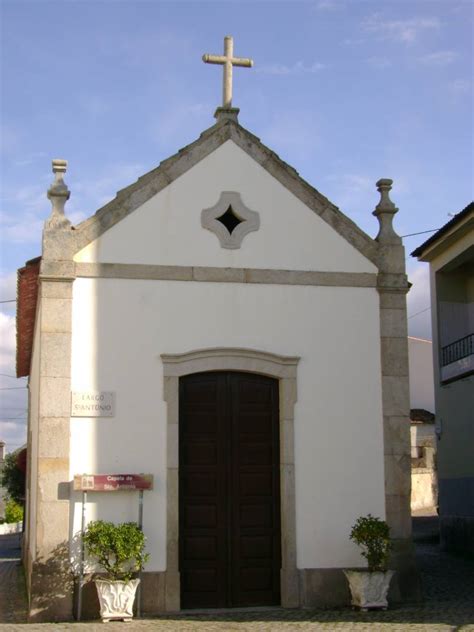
(112, 482)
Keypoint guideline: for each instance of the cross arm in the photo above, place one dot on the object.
(242, 61)
(214, 59)
(222, 59)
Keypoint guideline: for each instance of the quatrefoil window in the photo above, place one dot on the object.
(230, 220)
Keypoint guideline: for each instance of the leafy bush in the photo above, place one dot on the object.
(373, 536)
(12, 477)
(119, 549)
(13, 511)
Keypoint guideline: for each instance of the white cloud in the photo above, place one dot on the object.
(379, 62)
(441, 58)
(354, 194)
(94, 105)
(7, 342)
(460, 86)
(13, 433)
(293, 135)
(178, 121)
(26, 225)
(8, 286)
(298, 68)
(30, 159)
(13, 401)
(97, 192)
(329, 5)
(11, 140)
(406, 31)
(353, 41)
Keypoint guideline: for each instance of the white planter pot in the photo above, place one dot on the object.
(116, 598)
(369, 589)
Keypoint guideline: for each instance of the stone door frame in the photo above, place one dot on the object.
(283, 368)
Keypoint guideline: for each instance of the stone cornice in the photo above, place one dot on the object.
(388, 282)
(224, 275)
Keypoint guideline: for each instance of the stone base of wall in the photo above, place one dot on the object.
(324, 588)
(51, 592)
(27, 563)
(406, 584)
(319, 588)
(457, 534)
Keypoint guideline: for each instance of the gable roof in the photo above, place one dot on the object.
(454, 223)
(148, 185)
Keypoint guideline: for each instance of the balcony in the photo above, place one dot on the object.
(457, 358)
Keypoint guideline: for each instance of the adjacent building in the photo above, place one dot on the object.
(450, 253)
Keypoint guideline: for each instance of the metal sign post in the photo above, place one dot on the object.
(108, 483)
(140, 526)
(81, 564)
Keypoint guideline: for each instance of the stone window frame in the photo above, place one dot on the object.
(283, 368)
(250, 220)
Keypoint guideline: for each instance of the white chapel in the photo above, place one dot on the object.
(232, 333)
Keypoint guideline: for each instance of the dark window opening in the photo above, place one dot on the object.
(229, 219)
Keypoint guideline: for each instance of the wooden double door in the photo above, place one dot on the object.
(229, 490)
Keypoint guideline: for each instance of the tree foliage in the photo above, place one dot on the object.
(373, 536)
(13, 511)
(13, 477)
(119, 549)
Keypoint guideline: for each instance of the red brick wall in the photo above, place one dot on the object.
(27, 297)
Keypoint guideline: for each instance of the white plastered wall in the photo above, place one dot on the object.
(167, 230)
(420, 361)
(120, 328)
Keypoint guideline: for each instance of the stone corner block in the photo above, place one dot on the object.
(55, 397)
(55, 356)
(393, 323)
(56, 315)
(395, 396)
(394, 356)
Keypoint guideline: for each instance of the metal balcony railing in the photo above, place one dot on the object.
(457, 350)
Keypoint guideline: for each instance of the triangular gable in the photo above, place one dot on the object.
(132, 197)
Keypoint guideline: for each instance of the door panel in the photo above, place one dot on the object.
(229, 490)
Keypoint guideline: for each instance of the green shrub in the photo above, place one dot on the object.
(119, 549)
(373, 536)
(13, 511)
(12, 478)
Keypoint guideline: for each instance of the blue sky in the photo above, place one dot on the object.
(345, 91)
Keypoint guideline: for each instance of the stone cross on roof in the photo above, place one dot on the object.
(227, 60)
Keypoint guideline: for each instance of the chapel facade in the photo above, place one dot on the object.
(254, 343)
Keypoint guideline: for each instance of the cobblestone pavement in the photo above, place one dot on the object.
(448, 586)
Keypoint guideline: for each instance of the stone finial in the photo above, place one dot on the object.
(384, 212)
(59, 194)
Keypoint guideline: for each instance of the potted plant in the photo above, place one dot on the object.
(369, 587)
(119, 550)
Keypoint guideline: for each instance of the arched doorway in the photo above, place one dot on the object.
(284, 370)
(229, 490)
